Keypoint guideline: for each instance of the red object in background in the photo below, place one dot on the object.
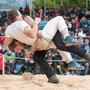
(29, 56)
(1, 62)
(2, 39)
(88, 33)
(78, 24)
(71, 33)
(27, 10)
(56, 14)
(50, 58)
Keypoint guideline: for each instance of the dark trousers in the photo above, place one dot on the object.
(39, 56)
(58, 41)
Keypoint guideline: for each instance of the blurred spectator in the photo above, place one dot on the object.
(85, 28)
(9, 57)
(69, 24)
(86, 65)
(77, 22)
(37, 9)
(88, 33)
(46, 19)
(81, 33)
(5, 26)
(49, 57)
(86, 45)
(71, 17)
(3, 49)
(56, 13)
(21, 10)
(82, 21)
(50, 13)
(82, 14)
(33, 16)
(0, 30)
(74, 26)
(26, 10)
(2, 38)
(89, 23)
(76, 13)
(88, 14)
(76, 32)
(19, 61)
(69, 12)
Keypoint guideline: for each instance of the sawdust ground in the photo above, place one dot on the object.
(39, 82)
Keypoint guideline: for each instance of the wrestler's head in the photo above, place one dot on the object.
(16, 46)
(14, 15)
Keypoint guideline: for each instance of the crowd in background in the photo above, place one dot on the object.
(78, 21)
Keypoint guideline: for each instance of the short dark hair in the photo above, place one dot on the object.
(12, 15)
(12, 46)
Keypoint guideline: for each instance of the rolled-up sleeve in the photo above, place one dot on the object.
(7, 34)
(23, 25)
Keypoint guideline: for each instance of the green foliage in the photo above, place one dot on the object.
(57, 3)
(76, 2)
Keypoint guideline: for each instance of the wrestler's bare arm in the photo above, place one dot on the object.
(33, 31)
(29, 20)
(7, 41)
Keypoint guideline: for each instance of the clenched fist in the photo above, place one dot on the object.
(39, 34)
(37, 20)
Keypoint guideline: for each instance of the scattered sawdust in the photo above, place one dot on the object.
(27, 76)
(39, 82)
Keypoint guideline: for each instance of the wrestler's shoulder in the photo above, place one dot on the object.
(17, 23)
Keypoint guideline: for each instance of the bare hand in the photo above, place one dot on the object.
(37, 20)
(39, 34)
(29, 20)
(26, 18)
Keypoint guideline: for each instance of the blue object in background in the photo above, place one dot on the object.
(42, 24)
(18, 68)
(83, 73)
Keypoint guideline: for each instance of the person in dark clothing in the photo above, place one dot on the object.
(49, 29)
(39, 56)
(21, 10)
(19, 63)
(85, 28)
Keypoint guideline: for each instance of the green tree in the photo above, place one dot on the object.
(57, 3)
(49, 3)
